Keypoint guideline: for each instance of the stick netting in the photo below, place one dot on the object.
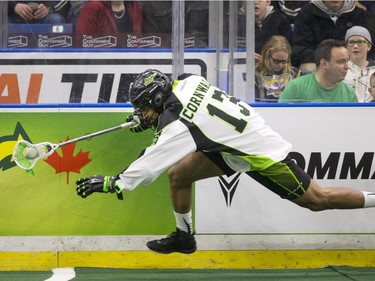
(25, 162)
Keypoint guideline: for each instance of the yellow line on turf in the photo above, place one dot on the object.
(28, 260)
(258, 259)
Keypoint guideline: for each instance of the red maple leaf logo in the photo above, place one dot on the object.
(68, 162)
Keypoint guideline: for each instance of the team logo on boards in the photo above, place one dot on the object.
(66, 160)
(228, 186)
(7, 144)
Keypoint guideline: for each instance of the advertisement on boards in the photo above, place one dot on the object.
(330, 145)
(62, 36)
(43, 77)
(40, 35)
(47, 203)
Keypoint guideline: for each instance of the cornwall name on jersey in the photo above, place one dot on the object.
(201, 117)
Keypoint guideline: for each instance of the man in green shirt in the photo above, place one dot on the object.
(325, 85)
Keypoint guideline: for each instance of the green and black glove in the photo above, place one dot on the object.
(87, 186)
(141, 125)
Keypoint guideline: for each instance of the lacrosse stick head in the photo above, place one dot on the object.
(26, 154)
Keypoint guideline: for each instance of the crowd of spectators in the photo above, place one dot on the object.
(320, 20)
(98, 18)
(301, 26)
(317, 24)
(108, 18)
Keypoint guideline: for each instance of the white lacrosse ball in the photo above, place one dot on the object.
(30, 152)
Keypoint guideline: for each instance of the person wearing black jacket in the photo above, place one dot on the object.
(268, 22)
(320, 20)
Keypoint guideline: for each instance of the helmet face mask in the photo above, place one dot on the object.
(150, 89)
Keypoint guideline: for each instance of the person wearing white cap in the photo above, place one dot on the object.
(359, 44)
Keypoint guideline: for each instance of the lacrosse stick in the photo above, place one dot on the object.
(26, 154)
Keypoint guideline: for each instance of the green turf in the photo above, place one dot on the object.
(92, 274)
(323, 274)
(24, 275)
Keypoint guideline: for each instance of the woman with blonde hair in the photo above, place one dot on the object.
(274, 70)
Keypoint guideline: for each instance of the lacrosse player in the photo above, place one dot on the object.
(202, 132)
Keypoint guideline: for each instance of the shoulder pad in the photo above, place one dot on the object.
(184, 76)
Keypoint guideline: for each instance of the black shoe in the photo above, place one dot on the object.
(178, 241)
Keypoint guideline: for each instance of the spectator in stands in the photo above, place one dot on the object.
(369, 7)
(268, 22)
(157, 18)
(371, 86)
(108, 18)
(75, 9)
(326, 85)
(274, 71)
(196, 22)
(320, 20)
(289, 8)
(53, 12)
(359, 44)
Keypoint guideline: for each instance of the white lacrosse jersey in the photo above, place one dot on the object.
(200, 117)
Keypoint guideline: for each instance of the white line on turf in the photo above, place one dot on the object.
(62, 274)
